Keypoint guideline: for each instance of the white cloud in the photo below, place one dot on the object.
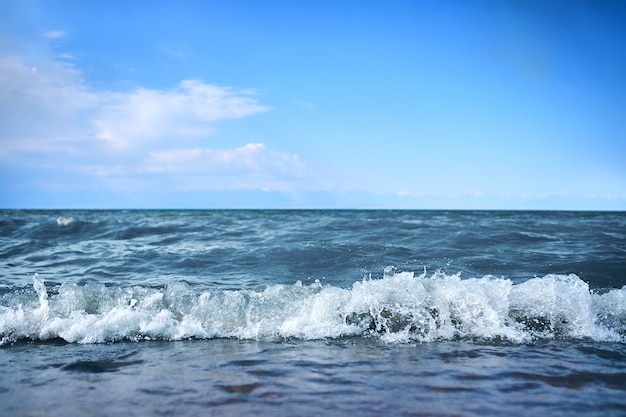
(252, 166)
(53, 122)
(188, 111)
(253, 157)
(54, 104)
(42, 107)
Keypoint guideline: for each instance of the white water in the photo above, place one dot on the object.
(398, 308)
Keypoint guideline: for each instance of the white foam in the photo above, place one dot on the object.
(65, 221)
(401, 307)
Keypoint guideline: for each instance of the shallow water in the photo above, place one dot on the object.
(336, 377)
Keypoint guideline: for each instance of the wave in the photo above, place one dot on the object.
(397, 308)
(65, 221)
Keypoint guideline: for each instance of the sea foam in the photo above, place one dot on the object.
(398, 308)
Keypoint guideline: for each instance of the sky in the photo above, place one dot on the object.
(313, 104)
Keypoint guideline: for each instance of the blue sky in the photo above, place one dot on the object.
(313, 104)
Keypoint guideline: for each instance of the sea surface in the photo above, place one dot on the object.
(310, 313)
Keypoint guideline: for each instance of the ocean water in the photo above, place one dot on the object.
(399, 313)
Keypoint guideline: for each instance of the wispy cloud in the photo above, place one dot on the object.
(66, 57)
(55, 122)
(190, 110)
(176, 51)
(251, 157)
(304, 104)
(42, 107)
(251, 166)
(55, 34)
(53, 105)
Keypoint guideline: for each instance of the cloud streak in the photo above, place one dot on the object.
(252, 157)
(55, 34)
(251, 166)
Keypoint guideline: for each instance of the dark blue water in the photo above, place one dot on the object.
(312, 312)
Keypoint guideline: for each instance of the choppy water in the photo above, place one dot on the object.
(311, 312)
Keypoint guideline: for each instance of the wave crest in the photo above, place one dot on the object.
(398, 308)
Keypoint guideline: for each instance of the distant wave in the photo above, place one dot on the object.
(398, 308)
(65, 221)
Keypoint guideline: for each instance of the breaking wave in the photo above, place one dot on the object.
(398, 308)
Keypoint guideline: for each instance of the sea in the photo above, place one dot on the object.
(312, 313)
